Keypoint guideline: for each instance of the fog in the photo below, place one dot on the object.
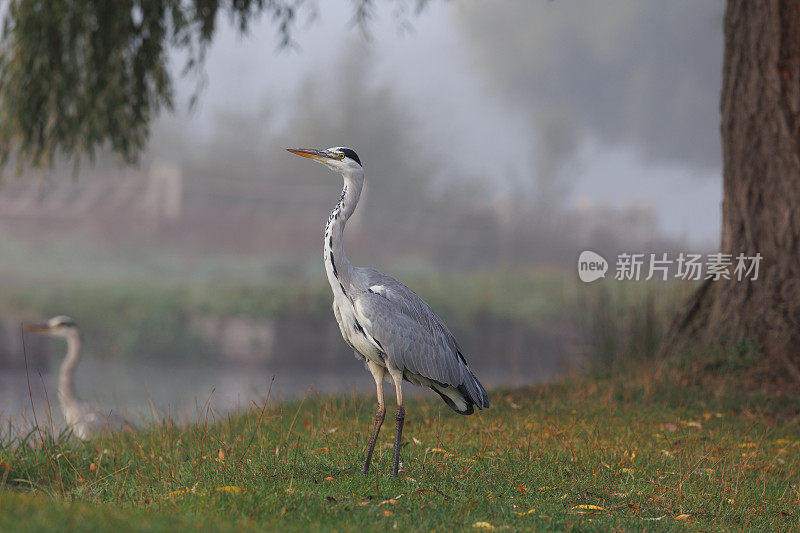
(496, 138)
(596, 97)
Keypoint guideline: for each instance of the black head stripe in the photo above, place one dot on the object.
(351, 154)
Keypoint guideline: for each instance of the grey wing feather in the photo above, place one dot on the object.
(413, 337)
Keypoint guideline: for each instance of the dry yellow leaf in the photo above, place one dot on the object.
(589, 507)
(324, 449)
(683, 517)
(230, 488)
(483, 525)
(529, 511)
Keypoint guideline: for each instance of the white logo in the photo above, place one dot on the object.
(591, 266)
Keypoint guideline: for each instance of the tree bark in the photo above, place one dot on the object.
(760, 130)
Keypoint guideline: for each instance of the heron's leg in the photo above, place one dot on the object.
(399, 417)
(377, 373)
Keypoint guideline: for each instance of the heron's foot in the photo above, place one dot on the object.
(380, 414)
(399, 418)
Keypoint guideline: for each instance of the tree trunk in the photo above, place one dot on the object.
(760, 130)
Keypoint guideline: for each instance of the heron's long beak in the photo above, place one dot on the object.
(316, 155)
(37, 328)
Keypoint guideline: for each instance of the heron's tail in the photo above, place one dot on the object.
(464, 398)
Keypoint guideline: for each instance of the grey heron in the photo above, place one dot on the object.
(388, 326)
(84, 421)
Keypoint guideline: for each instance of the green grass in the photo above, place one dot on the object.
(579, 455)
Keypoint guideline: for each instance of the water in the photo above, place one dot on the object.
(144, 392)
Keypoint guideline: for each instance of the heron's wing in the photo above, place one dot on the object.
(426, 348)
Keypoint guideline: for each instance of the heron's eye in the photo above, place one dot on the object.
(339, 156)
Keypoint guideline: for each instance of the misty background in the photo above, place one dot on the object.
(499, 140)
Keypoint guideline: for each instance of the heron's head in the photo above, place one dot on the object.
(341, 159)
(58, 326)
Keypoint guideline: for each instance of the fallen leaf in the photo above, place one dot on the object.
(386, 512)
(230, 488)
(483, 525)
(329, 478)
(748, 445)
(683, 517)
(529, 511)
(589, 507)
(324, 449)
(438, 450)
(416, 441)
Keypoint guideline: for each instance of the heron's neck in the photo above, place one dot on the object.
(337, 266)
(66, 375)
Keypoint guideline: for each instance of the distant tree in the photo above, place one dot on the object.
(79, 76)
